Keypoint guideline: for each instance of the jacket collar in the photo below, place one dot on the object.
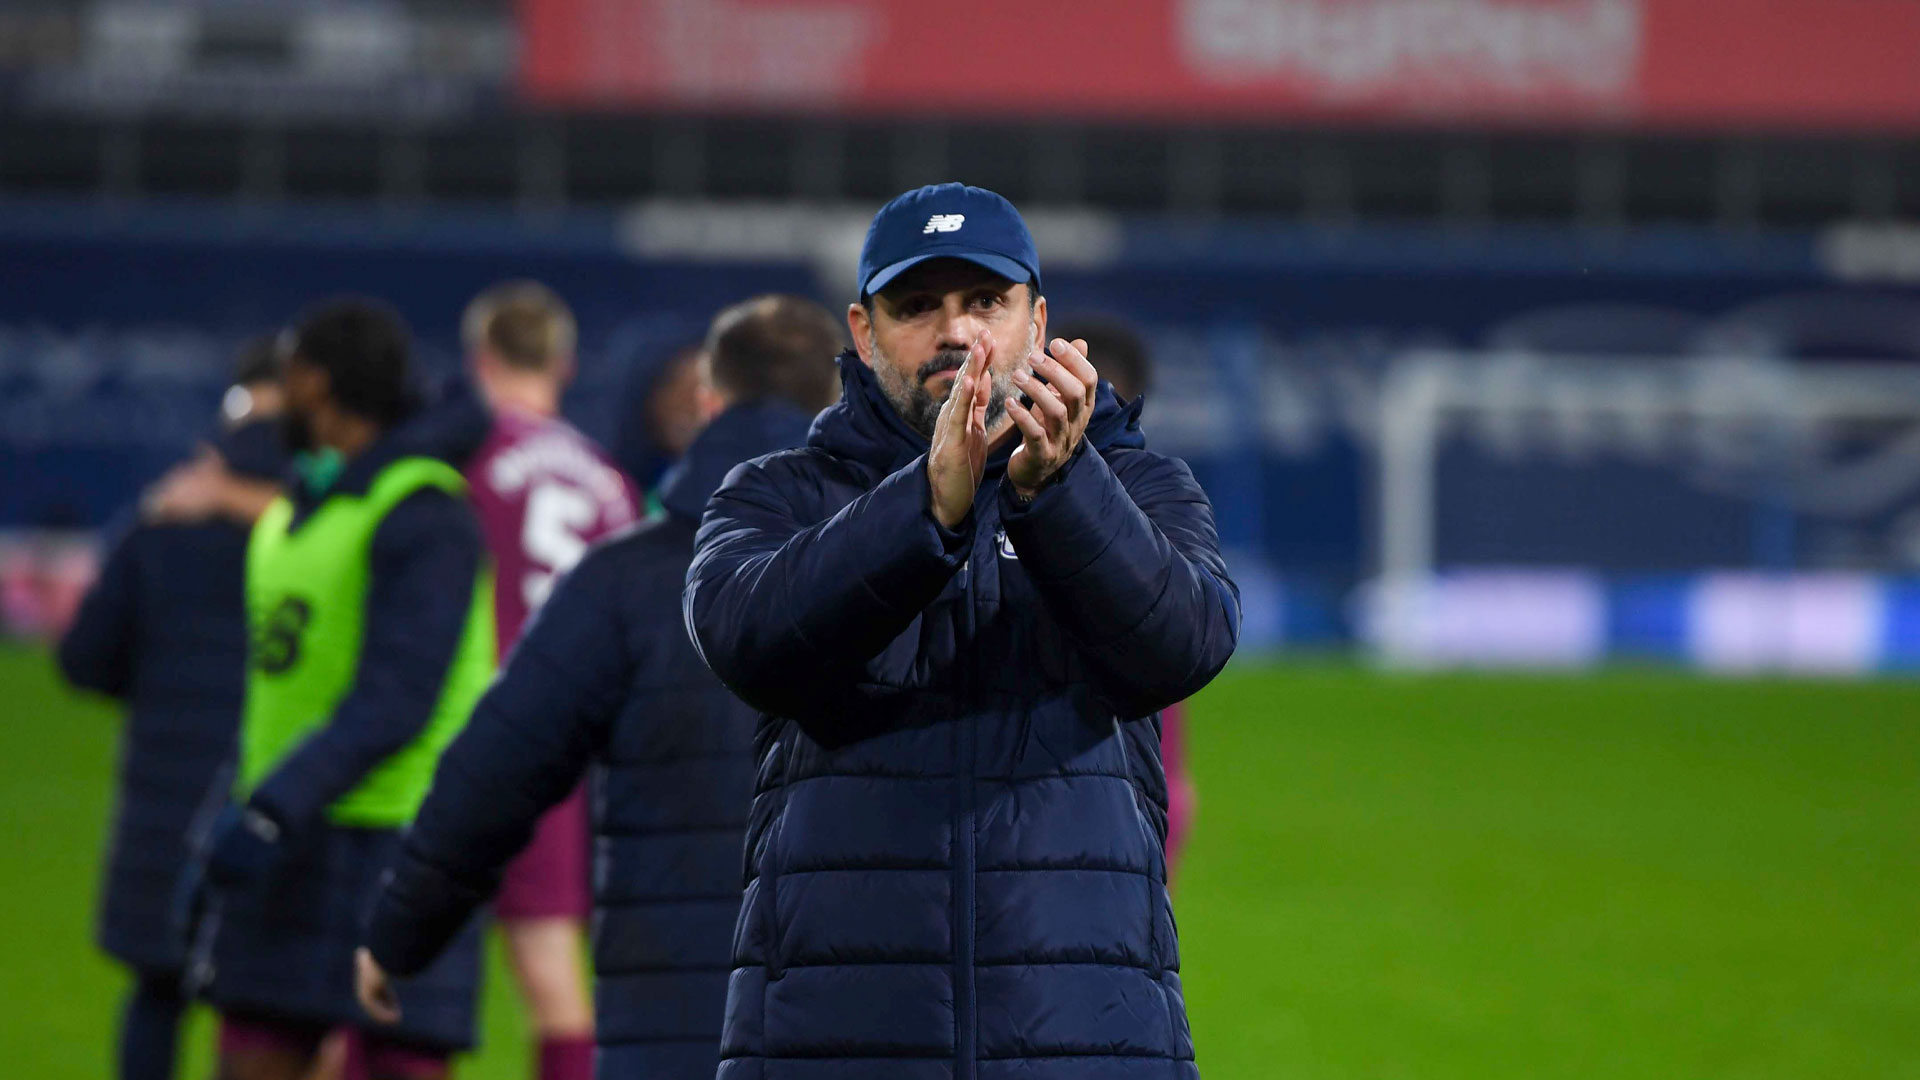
(741, 433)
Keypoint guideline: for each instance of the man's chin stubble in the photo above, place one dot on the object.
(922, 410)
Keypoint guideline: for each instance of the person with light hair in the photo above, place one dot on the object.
(544, 492)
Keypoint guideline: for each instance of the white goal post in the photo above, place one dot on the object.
(1711, 416)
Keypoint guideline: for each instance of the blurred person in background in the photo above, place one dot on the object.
(163, 629)
(606, 677)
(544, 492)
(660, 413)
(369, 601)
(953, 607)
(1125, 363)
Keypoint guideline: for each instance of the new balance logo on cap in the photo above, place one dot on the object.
(946, 221)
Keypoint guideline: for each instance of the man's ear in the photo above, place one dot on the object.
(1039, 318)
(860, 326)
(708, 401)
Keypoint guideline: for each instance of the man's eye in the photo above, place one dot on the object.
(987, 301)
(919, 305)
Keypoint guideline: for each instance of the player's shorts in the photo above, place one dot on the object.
(550, 878)
(368, 1053)
(283, 946)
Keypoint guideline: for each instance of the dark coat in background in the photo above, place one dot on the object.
(956, 847)
(164, 630)
(605, 676)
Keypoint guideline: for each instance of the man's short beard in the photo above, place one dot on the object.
(296, 431)
(919, 408)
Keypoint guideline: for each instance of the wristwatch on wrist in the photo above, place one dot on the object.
(1053, 477)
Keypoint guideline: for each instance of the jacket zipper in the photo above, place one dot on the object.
(964, 1001)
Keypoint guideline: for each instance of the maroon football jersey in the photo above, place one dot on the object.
(543, 492)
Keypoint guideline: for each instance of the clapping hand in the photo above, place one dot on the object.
(1062, 388)
(958, 458)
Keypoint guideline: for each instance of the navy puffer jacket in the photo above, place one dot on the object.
(955, 854)
(163, 629)
(605, 677)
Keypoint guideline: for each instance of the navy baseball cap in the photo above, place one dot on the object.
(947, 221)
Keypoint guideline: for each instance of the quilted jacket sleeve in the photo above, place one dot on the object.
(1128, 561)
(786, 610)
(525, 748)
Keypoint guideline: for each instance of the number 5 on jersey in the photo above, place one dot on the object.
(556, 517)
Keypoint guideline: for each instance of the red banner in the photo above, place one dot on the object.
(1694, 63)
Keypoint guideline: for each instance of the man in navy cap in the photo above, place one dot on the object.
(958, 609)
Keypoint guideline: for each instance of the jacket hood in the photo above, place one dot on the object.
(741, 433)
(452, 427)
(864, 427)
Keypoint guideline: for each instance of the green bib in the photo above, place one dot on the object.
(307, 610)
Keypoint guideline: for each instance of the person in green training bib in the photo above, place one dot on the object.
(369, 608)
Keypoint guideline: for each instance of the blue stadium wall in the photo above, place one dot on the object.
(117, 326)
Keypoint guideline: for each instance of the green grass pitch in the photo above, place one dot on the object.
(1472, 876)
